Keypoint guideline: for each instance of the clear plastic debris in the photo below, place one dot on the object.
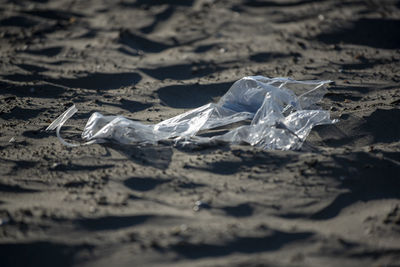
(279, 112)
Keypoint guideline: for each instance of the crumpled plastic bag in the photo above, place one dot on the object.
(282, 113)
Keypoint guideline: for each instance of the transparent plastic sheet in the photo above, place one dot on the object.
(282, 113)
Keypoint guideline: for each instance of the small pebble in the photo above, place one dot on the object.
(198, 205)
(4, 221)
(183, 227)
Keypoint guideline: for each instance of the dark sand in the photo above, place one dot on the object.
(335, 203)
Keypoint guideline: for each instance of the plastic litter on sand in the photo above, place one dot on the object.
(280, 113)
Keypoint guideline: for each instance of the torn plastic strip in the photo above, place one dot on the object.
(59, 122)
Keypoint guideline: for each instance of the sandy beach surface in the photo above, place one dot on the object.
(336, 202)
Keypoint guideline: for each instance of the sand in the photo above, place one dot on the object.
(336, 202)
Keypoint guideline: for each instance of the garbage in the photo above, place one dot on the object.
(281, 113)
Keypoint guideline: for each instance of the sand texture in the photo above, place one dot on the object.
(336, 202)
